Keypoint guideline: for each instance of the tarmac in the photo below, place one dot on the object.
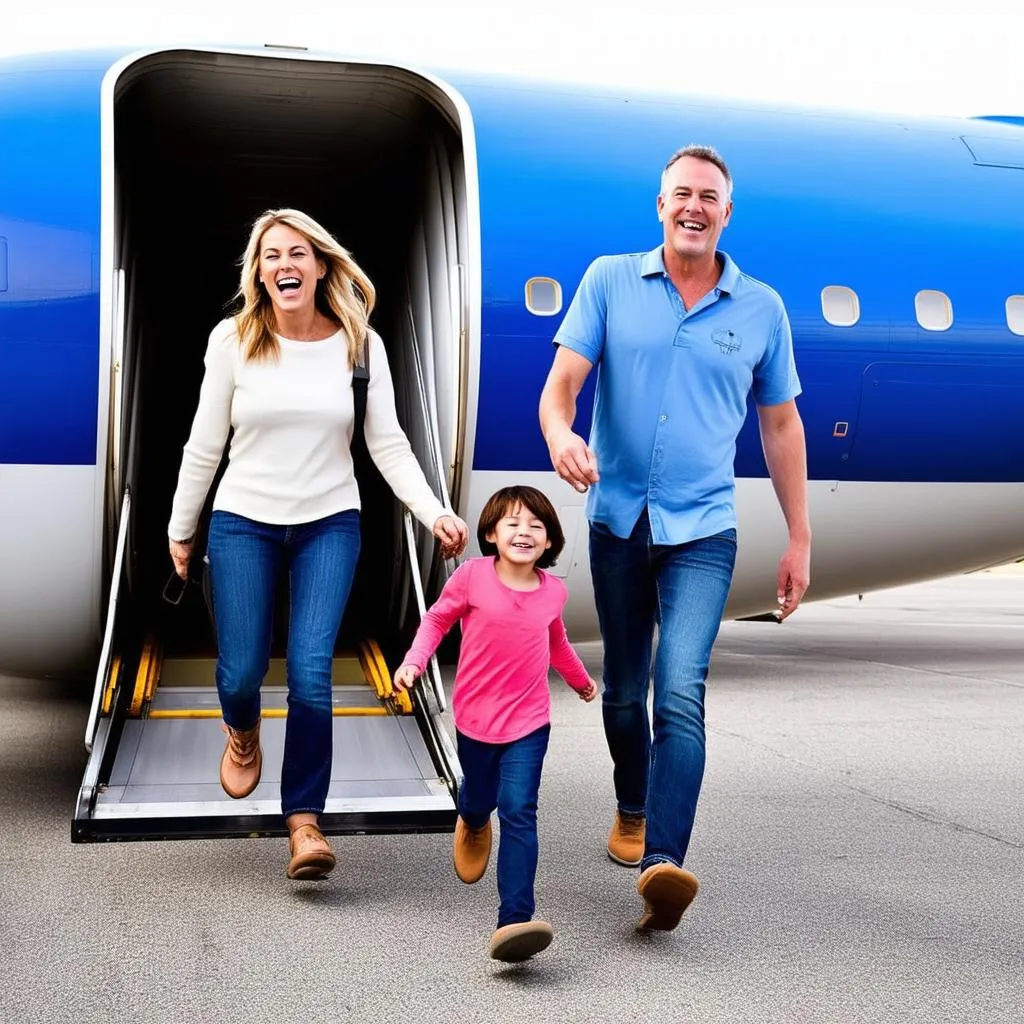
(859, 841)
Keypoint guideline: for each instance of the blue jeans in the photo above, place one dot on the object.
(506, 776)
(246, 558)
(682, 588)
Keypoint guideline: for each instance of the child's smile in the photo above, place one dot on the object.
(520, 537)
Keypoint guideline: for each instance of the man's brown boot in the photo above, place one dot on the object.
(471, 850)
(667, 891)
(242, 763)
(312, 857)
(626, 839)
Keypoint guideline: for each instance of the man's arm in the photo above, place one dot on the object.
(571, 457)
(782, 437)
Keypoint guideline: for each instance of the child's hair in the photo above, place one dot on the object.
(503, 502)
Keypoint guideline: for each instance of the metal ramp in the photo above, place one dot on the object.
(155, 743)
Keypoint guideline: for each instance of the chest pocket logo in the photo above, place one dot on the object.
(728, 342)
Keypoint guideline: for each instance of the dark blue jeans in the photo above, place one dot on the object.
(681, 588)
(507, 776)
(246, 558)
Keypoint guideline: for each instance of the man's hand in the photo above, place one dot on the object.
(573, 459)
(404, 677)
(794, 578)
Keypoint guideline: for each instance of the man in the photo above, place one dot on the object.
(681, 337)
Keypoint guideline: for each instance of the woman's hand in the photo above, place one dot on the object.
(453, 534)
(181, 554)
(404, 677)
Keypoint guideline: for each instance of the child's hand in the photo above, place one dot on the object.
(404, 677)
(589, 693)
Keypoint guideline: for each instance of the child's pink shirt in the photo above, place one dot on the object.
(509, 640)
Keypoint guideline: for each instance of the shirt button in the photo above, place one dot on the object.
(663, 418)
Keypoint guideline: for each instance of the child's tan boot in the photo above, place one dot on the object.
(471, 850)
(517, 942)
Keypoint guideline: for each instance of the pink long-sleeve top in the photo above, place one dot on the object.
(510, 638)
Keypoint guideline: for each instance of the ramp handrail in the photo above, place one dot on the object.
(437, 457)
(433, 670)
(108, 632)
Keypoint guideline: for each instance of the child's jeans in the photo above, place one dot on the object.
(507, 776)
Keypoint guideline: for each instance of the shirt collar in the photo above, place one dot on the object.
(653, 263)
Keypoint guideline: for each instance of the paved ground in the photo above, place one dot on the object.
(860, 841)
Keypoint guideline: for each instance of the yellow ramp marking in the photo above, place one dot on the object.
(364, 712)
(146, 677)
(379, 677)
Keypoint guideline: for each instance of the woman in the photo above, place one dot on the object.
(279, 374)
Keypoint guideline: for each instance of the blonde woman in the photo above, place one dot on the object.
(279, 373)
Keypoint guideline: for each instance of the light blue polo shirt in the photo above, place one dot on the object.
(672, 389)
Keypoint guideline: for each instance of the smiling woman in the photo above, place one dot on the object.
(279, 381)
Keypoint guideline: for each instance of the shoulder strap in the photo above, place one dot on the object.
(360, 382)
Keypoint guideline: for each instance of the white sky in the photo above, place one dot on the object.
(942, 57)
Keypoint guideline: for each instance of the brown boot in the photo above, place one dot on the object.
(517, 942)
(311, 854)
(667, 891)
(626, 839)
(471, 850)
(242, 763)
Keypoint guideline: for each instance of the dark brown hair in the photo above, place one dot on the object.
(502, 502)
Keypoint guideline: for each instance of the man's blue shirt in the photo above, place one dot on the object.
(672, 389)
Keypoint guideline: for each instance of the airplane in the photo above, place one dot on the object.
(127, 185)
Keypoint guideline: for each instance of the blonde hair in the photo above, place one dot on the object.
(345, 294)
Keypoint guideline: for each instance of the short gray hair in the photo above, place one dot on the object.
(706, 153)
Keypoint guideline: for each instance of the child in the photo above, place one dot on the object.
(512, 632)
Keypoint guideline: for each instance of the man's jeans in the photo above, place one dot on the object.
(246, 558)
(682, 588)
(506, 776)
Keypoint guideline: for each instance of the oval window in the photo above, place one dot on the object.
(934, 310)
(840, 305)
(543, 296)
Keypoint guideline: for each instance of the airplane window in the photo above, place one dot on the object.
(1015, 313)
(840, 305)
(543, 296)
(934, 310)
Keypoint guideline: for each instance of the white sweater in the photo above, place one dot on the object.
(290, 460)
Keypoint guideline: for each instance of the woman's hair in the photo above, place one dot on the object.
(345, 293)
(506, 501)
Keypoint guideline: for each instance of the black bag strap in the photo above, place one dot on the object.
(360, 382)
